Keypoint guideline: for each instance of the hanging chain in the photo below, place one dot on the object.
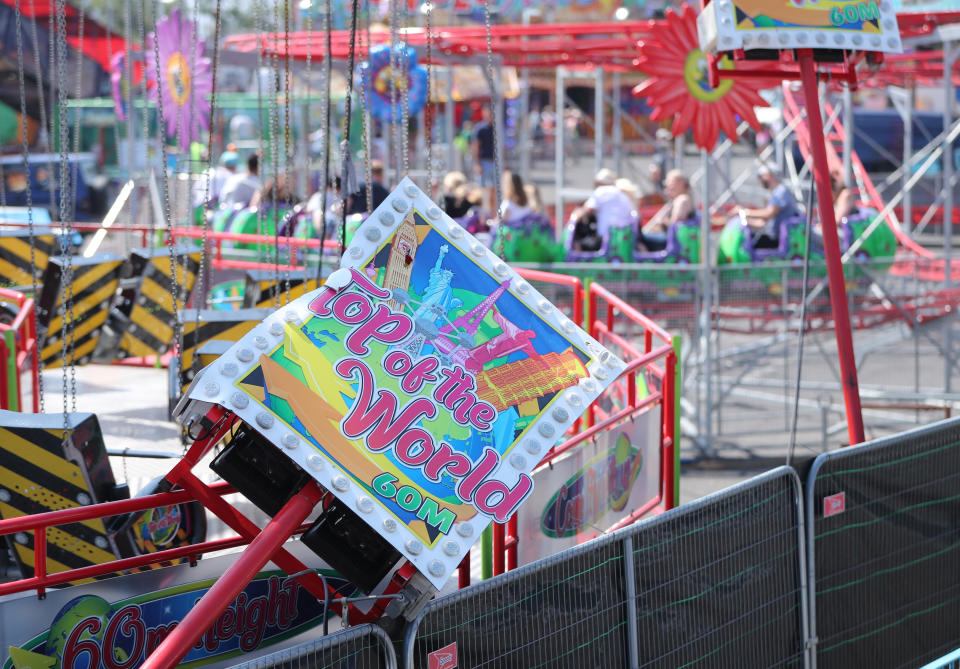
(495, 105)
(76, 120)
(306, 112)
(325, 128)
(201, 270)
(51, 53)
(193, 131)
(141, 19)
(161, 135)
(26, 157)
(364, 111)
(345, 144)
(45, 122)
(178, 122)
(175, 286)
(194, 137)
(258, 25)
(428, 110)
(405, 96)
(288, 144)
(116, 126)
(394, 66)
(66, 233)
(275, 157)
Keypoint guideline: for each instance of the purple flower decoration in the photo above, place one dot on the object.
(182, 77)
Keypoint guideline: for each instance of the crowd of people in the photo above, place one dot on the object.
(613, 203)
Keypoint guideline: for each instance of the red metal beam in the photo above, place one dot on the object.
(205, 612)
(831, 248)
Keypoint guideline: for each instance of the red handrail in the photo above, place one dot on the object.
(26, 347)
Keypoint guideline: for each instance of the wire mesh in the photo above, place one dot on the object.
(565, 611)
(904, 329)
(361, 647)
(719, 581)
(886, 549)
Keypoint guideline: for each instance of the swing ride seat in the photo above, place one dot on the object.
(790, 242)
(683, 244)
(735, 245)
(223, 216)
(45, 472)
(257, 221)
(473, 222)
(880, 243)
(616, 246)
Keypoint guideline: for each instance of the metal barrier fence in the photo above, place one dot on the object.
(884, 543)
(720, 581)
(717, 581)
(360, 647)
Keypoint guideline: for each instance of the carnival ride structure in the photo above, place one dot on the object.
(206, 429)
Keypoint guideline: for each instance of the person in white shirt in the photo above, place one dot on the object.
(208, 187)
(240, 187)
(229, 160)
(608, 203)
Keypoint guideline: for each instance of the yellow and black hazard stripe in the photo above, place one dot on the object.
(149, 307)
(223, 325)
(16, 267)
(94, 285)
(262, 288)
(37, 476)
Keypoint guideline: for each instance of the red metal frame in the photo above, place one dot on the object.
(831, 249)
(612, 44)
(26, 348)
(266, 545)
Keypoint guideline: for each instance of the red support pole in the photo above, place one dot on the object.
(667, 436)
(831, 248)
(499, 549)
(203, 615)
(40, 558)
(463, 572)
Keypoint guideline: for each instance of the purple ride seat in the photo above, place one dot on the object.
(673, 248)
(782, 252)
(847, 234)
(587, 256)
(472, 222)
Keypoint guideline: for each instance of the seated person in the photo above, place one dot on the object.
(275, 191)
(533, 198)
(844, 205)
(455, 201)
(514, 206)
(844, 198)
(656, 193)
(240, 188)
(653, 235)
(379, 193)
(781, 206)
(608, 206)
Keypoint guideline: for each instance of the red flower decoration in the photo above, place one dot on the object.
(678, 87)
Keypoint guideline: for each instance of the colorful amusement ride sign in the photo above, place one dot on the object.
(421, 385)
(859, 25)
